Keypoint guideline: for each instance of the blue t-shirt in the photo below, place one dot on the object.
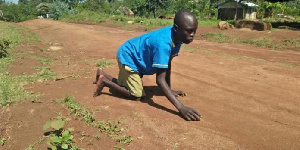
(149, 51)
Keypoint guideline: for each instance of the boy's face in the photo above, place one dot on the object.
(187, 30)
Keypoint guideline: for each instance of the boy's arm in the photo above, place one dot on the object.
(168, 79)
(188, 113)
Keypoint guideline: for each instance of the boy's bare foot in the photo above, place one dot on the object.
(98, 73)
(100, 86)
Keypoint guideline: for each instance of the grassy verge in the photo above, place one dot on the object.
(267, 43)
(12, 87)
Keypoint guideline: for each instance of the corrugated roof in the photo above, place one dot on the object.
(245, 3)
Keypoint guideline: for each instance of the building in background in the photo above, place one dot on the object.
(235, 10)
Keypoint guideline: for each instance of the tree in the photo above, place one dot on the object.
(43, 8)
(138, 7)
(58, 9)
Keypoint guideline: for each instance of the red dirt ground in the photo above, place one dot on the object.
(248, 96)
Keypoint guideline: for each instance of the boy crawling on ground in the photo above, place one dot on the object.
(149, 54)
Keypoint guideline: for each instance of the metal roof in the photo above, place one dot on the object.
(245, 3)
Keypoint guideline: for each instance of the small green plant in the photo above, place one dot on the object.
(79, 111)
(111, 127)
(216, 37)
(103, 63)
(268, 43)
(36, 98)
(125, 139)
(45, 74)
(119, 147)
(30, 148)
(60, 138)
(4, 45)
(2, 141)
(97, 136)
(42, 59)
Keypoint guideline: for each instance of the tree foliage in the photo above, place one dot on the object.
(28, 9)
(60, 9)
(17, 12)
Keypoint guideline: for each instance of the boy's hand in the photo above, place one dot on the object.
(179, 93)
(190, 114)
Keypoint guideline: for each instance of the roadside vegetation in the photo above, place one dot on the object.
(12, 87)
(267, 43)
(12, 90)
(111, 127)
(97, 11)
(145, 15)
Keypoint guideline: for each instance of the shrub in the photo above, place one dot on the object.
(4, 45)
(60, 9)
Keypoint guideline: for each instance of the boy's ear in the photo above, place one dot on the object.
(175, 27)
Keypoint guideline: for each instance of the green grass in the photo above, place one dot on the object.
(12, 87)
(44, 74)
(212, 22)
(217, 37)
(267, 43)
(111, 127)
(103, 63)
(87, 17)
(121, 21)
(45, 61)
(16, 34)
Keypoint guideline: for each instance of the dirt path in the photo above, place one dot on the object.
(248, 96)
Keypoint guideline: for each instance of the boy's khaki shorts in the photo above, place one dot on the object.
(130, 80)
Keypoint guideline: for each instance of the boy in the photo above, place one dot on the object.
(150, 54)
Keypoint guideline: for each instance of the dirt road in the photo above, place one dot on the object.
(248, 97)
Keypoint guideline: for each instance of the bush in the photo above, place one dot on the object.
(18, 13)
(60, 9)
(4, 45)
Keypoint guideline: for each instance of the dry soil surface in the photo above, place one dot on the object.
(248, 97)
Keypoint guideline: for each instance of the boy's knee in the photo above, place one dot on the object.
(138, 93)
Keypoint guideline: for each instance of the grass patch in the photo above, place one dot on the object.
(103, 63)
(12, 87)
(16, 34)
(217, 37)
(293, 43)
(4, 46)
(45, 61)
(267, 43)
(212, 22)
(44, 74)
(147, 24)
(111, 127)
(87, 17)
